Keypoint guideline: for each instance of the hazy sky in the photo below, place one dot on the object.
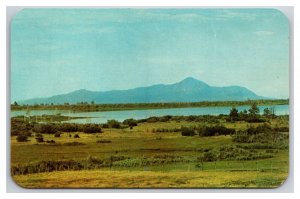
(55, 51)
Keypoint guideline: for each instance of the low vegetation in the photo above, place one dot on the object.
(241, 149)
(91, 106)
(26, 128)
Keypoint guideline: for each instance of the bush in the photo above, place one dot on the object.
(165, 118)
(130, 122)
(46, 166)
(50, 141)
(103, 141)
(152, 119)
(93, 160)
(91, 128)
(134, 162)
(260, 134)
(231, 152)
(57, 134)
(215, 130)
(39, 137)
(255, 120)
(19, 126)
(105, 126)
(47, 129)
(66, 127)
(258, 146)
(114, 124)
(22, 138)
(73, 143)
(187, 131)
(282, 129)
(76, 136)
(210, 156)
(162, 130)
(191, 118)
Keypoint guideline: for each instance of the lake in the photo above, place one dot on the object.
(103, 116)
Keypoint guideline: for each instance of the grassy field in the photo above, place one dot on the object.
(151, 179)
(142, 157)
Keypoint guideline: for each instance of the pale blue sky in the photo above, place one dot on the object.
(55, 51)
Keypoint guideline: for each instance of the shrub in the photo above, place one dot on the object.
(57, 134)
(47, 129)
(162, 130)
(191, 118)
(231, 152)
(282, 129)
(215, 130)
(66, 127)
(114, 124)
(134, 162)
(210, 156)
(22, 138)
(165, 118)
(255, 120)
(94, 160)
(50, 141)
(76, 136)
(258, 146)
(233, 114)
(103, 141)
(152, 119)
(73, 143)
(19, 126)
(187, 131)
(46, 166)
(260, 134)
(130, 122)
(91, 128)
(105, 126)
(39, 137)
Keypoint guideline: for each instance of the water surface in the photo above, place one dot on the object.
(103, 116)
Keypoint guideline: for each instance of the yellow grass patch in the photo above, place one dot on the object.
(150, 179)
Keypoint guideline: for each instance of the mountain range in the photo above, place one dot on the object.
(187, 90)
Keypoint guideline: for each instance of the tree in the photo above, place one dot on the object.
(233, 114)
(267, 112)
(16, 104)
(254, 110)
(130, 122)
(243, 114)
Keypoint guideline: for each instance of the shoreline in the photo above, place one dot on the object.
(146, 106)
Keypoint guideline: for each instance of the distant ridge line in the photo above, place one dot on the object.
(187, 90)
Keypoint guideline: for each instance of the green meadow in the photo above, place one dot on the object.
(153, 153)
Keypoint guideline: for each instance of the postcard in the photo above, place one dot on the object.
(149, 98)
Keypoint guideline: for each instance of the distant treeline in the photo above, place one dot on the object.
(91, 106)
